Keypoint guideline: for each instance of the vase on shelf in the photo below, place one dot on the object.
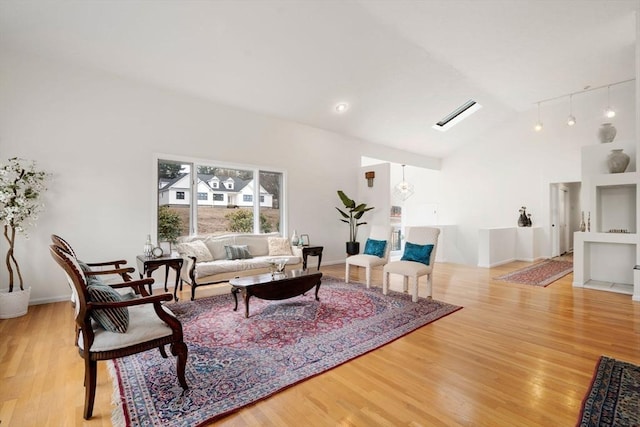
(617, 161)
(607, 132)
(583, 226)
(295, 239)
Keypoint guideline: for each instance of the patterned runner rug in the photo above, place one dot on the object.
(234, 361)
(541, 274)
(614, 396)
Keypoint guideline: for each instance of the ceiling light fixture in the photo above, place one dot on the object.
(457, 115)
(609, 112)
(538, 126)
(403, 190)
(571, 120)
(342, 107)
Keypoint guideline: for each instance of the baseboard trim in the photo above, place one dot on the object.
(39, 301)
(496, 264)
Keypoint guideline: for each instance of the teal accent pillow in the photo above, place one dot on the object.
(375, 247)
(91, 279)
(417, 253)
(237, 252)
(111, 319)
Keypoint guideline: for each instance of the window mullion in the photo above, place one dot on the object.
(256, 197)
(194, 199)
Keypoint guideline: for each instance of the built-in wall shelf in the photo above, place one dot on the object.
(624, 238)
(621, 288)
(604, 258)
(612, 179)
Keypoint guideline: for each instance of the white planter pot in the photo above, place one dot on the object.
(14, 304)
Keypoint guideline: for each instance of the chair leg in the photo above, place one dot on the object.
(385, 282)
(405, 283)
(368, 275)
(163, 353)
(346, 273)
(429, 286)
(180, 351)
(90, 374)
(414, 297)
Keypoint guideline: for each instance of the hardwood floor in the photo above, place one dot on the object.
(515, 355)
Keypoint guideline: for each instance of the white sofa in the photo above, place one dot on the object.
(206, 258)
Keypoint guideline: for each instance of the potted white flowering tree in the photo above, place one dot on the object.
(20, 188)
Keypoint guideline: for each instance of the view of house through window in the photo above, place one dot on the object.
(216, 200)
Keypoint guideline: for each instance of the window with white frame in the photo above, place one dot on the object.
(189, 217)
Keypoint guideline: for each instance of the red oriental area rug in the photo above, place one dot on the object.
(234, 361)
(614, 396)
(541, 274)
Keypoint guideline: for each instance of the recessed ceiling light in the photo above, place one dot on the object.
(342, 107)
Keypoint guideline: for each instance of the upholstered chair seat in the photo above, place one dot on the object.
(378, 234)
(144, 325)
(418, 260)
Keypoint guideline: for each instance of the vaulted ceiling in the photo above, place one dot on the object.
(401, 65)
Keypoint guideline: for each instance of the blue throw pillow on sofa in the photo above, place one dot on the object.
(375, 247)
(417, 253)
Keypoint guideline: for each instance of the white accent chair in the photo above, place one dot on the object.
(378, 232)
(419, 236)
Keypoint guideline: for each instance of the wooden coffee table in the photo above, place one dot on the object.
(274, 287)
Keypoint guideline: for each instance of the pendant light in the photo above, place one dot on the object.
(609, 112)
(538, 126)
(403, 190)
(571, 120)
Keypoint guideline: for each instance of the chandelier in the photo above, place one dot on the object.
(403, 190)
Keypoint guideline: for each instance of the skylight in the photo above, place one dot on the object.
(457, 115)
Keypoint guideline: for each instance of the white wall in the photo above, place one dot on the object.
(97, 133)
(485, 184)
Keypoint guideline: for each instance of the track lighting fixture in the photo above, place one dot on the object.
(609, 112)
(538, 126)
(571, 119)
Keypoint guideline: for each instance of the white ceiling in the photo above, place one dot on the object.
(402, 65)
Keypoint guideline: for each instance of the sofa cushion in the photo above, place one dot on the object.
(211, 268)
(237, 252)
(216, 246)
(197, 248)
(279, 246)
(258, 244)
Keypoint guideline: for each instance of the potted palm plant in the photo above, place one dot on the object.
(20, 188)
(354, 212)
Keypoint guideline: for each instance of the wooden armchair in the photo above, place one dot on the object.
(114, 274)
(143, 324)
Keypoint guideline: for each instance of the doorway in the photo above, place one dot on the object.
(565, 216)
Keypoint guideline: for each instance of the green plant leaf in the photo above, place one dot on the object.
(348, 203)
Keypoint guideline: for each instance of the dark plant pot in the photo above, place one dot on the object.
(353, 248)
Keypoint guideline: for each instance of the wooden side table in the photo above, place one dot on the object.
(147, 265)
(313, 251)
